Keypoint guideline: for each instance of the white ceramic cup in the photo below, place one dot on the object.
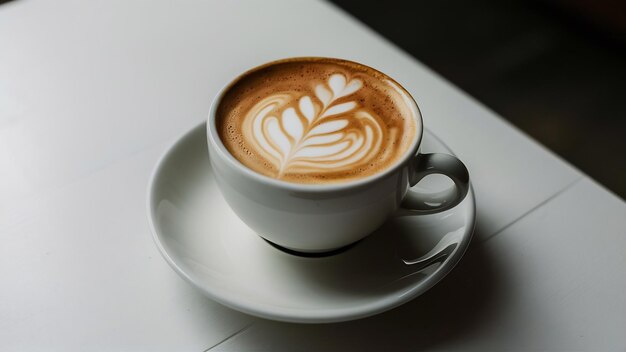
(315, 218)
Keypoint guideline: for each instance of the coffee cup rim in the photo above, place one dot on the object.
(219, 146)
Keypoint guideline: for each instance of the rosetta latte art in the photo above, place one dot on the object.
(313, 134)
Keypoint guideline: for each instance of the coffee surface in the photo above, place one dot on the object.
(316, 121)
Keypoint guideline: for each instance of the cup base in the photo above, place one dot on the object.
(312, 254)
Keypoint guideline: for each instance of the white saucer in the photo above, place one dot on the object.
(206, 243)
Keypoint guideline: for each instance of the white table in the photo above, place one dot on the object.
(91, 94)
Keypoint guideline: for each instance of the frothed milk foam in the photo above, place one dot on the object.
(316, 120)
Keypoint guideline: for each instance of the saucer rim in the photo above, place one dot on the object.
(298, 315)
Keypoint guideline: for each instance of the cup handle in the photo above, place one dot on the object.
(436, 163)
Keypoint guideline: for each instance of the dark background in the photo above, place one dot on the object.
(555, 69)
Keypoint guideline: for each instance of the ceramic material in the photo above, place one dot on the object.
(320, 218)
(207, 244)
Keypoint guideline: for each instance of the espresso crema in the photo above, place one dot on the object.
(316, 120)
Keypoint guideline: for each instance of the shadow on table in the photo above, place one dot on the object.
(460, 304)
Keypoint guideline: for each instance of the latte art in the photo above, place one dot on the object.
(317, 133)
(313, 120)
